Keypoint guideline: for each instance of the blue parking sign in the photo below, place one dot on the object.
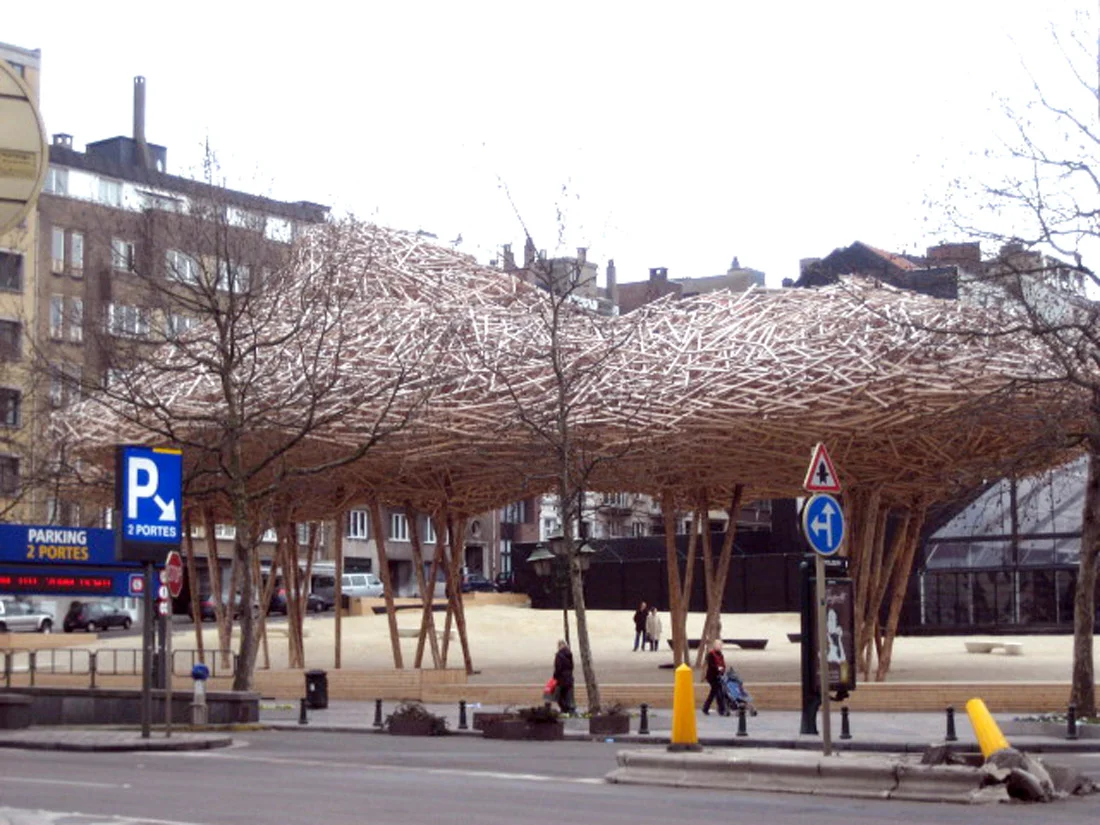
(149, 500)
(823, 524)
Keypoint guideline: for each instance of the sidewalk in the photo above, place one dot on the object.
(880, 732)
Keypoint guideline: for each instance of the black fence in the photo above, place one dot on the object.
(625, 572)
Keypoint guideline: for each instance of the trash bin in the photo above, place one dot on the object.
(317, 689)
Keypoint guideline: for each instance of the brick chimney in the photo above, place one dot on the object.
(612, 283)
(965, 255)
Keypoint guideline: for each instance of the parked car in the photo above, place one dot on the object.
(477, 583)
(317, 603)
(23, 617)
(277, 603)
(94, 616)
(208, 614)
(505, 582)
(364, 585)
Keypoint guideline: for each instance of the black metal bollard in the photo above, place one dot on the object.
(378, 713)
(845, 725)
(643, 725)
(462, 715)
(1071, 721)
(303, 718)
(742, 725)
(951, 736)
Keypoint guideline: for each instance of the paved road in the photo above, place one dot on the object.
(333, 779)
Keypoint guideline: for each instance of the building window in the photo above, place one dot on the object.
(76, 320)
(10, 400)
(358, 521)
(64, 513)
(122, 255)
(57, 181)
(227, 532)
(9, 475)
(57, 250)
(11, 341)
(181, 267)
(399, 527)
(57, 316)
(11, 271)
(303, 534)
(429, 531)
(270, 536)
(178, 324)
(127, 321)
(76, 254)
(110, 192)
(638, 529)
(232, 277)
(278, 229)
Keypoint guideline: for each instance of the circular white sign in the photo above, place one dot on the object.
(24, 153)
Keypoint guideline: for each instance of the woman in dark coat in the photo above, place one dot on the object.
(716, 666)
(563, 673)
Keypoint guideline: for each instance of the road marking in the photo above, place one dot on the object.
(328, 763)
(39, 781)
(42, 817)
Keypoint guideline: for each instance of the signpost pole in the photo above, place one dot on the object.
(822, 650)
(147, 651)
(168, 675)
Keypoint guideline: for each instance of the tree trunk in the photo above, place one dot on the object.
(427, 620)
(676, 613)
(338, 596)
(387, 582)
(576, 582)
(718, 580)
(193, 582)
(222, 621)
(1083, 694)
(900, 583)
(246, 649)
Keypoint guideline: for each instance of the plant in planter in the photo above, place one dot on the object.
(612, 721)
(413, 719)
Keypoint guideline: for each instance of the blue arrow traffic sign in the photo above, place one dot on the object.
(823, 524)
(149, 497)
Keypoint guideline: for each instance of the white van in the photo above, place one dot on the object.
(365, 585)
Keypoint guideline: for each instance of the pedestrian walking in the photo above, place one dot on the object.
(716, 667)
(653, 628)
(563, 675)
(639, 625)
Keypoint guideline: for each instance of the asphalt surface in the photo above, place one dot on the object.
(341, 779)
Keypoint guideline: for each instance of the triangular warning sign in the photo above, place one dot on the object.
(821, 477)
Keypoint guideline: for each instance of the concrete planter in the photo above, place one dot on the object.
(483, 719)
(520, 729)
(413, 727)
(612, 724)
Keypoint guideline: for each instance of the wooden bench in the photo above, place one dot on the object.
(1010, 647)
(744, 644)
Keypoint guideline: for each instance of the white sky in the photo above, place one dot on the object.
(673, 135)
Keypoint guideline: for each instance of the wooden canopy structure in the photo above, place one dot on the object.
(695, 401)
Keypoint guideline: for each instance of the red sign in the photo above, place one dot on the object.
(173, 573)
(821, 477)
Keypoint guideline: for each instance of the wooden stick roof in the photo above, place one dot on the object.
(711, 391)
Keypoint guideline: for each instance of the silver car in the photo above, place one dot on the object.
(23, 617)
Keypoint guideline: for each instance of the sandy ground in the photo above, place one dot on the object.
(516, 644)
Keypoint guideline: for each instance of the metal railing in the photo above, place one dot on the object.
(109, 661)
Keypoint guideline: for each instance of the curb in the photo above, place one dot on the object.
(775, 743)
(865, 777)
(162, 745)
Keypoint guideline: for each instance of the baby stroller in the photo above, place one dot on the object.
(736, 696)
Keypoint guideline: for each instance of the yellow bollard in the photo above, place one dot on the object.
(990, 738)
(684, 735)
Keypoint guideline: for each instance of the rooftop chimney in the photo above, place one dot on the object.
(142, 157)
(62, 139)
(582, 254)
(612, 282)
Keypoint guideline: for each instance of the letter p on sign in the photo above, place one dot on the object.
(142, 483)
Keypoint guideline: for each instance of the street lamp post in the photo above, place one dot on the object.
(552, 566)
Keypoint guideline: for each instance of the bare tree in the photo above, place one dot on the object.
(569, 349)
(238, 349)
(1039, 201)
